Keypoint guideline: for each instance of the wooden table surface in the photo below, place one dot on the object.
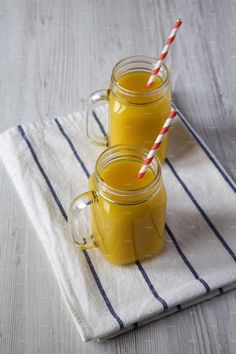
(53, 54)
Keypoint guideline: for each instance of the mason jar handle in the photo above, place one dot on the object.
(91, 118)
(77, 205)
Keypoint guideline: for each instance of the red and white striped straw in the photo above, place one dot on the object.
(164, 52)
(157, 143)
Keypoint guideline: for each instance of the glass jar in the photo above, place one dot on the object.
(127, 223)
(136, 112)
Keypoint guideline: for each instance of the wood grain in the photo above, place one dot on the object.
(53, 54)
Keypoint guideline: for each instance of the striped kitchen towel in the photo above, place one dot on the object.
(50, 162)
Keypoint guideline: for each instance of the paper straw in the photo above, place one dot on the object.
(157, 143)
(164, 52)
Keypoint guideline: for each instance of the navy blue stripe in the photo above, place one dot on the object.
(151, 287)
(99, 123)
(207, 152)
(21, 130)
(102, 291)
(72, 148)
(104, 295)
(186, 261)
(213, 228)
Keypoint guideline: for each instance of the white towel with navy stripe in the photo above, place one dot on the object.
(50, 162)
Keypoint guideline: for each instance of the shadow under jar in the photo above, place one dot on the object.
(127, 214)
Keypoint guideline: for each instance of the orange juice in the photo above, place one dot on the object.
(128, 221)
(136, 112)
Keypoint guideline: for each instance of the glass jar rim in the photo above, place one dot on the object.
(141, 153)
(136, 59)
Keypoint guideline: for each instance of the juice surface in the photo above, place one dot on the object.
(137, 81)
(128, 232)
(123, 175)
(138, 119)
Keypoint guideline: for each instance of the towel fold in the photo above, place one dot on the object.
(50, 162)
